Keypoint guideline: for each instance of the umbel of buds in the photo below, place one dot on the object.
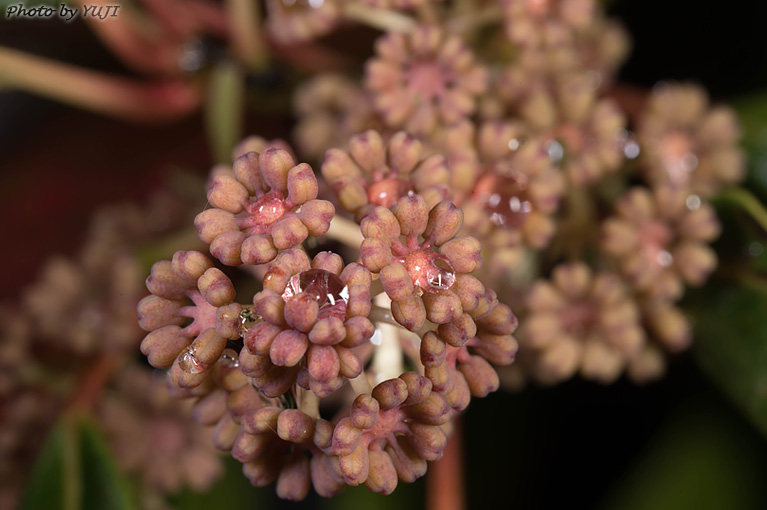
(336, 328)
(286, 373)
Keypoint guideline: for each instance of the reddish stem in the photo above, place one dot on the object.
(93, 382)
(445, 482)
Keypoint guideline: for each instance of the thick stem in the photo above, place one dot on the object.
(475, 19)
(120, 97)
(309, 403)
(345, 231)
(748, 202)
(387, 21)
(387, 360)
(360, 384)
(247, 38)
(445, 480)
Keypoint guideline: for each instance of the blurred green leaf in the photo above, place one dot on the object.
(752, 112)
(701, 460)
(104, 487)
(55, 483)
(731, 343)
(224, 109)
(75, 471)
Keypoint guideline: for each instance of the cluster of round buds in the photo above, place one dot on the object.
(686, 144)
(265, 203)
(549, 22)
(459, 368)
(424, 79)
(423, 283)
(292, 21)
(188, 287)
(660, 238)
(330, 108)
(152, 436)
(314, 316)
(582, 322)
(506, 185)
(374, 173)
(391, 433)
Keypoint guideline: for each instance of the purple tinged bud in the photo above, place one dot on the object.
(375, 254)
(227, 247)
(163, 281)
(397, 282)
(288, 348)
(210, 408)
(480, 376)
(302, 184)
(380, 224)
(258, 249)
(211, 223)
(412, 214)
(248, 447)
(442, 307)
(409, 312)
(155, 312)
(316, 216)
(301, 312)
(346, 437)
(368, 150)
(434, 410)
(445, 221)
(418, 388)
(464, 254)
(295, 426)
(246, 171)
(228, 322)
(390, 394)
(323, 363)
(275, 165)
(382, 475)
(224, 192)
(351, 364)
(293, 482)
(225, 433)
(432, 350)
(270, 306)
(162, 346)
(259, 338)
(428, 441)
(409, 465)
(356, 465)
(289, 232)
(364, 411)
(328, 331)
(216, 287)
(323, 434)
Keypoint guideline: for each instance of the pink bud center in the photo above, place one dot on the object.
(325, 287)
(506, 199)
(267, 209)
(654, 238)
(578, 318)
(429, 270)
(678, 156)
(386, 192)
(427, 79)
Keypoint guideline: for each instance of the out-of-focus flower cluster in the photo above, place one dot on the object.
(480, 160)
(73, 340)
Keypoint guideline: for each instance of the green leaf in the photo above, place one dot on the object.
(104, 487)
(731, 343)
(224, 109)
(75, 471)
(55, 482)
(752, 112)
(700, 460)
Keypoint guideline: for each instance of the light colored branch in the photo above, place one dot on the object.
(387, 21)
(345, 231)
(247, 37)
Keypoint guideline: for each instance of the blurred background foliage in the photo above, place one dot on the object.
(695, 440)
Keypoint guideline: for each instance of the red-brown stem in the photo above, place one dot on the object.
(93, 382)
(144, 46)
(159, 101)
(445, 488)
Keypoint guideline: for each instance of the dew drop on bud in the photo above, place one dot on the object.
(325, 287)
(386, 192)
(506, 199)
(229, 360)
(429, 270)
(189, 362)
(267, 209)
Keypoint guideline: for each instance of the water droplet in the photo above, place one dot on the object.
(327, 288)
(506, 199)
(664, 258)
(376, 338)
(555, 151)
(267, 208)
(192, 56)
(386, 192)
(429, 270)
(693, 202)
(229, 359)
(631, 149)
(189, 362)
(514, 144)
